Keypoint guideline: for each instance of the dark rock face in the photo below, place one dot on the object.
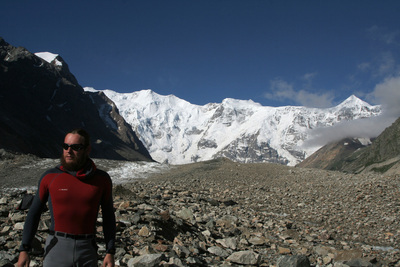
(381, 156)
(117, 125)
(330, 157)
(349, 155)
(40, 101)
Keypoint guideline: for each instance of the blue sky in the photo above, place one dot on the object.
(312, 53)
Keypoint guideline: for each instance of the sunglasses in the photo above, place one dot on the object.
(75, 147)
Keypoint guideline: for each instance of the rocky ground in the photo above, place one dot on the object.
(221, 213)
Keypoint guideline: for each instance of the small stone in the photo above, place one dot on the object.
(228, 242)
(244, 257)
(218, 251)
(293, 261)
(148, 260)
(257, 241)
(144, 231)
(19, 226)
(185, 214)
(282, 250)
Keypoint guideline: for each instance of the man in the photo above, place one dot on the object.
(74, 191)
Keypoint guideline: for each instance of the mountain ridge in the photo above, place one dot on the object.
(40, 101)
(152, 126)
(349, 155)
(178, 132)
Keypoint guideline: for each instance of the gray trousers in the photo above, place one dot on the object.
(69, 252)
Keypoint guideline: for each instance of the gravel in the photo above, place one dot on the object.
(269, 211)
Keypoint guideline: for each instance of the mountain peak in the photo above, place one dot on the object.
(352, 101)
(178, 132)
(53, 99)
(50, 58)
(239, 103)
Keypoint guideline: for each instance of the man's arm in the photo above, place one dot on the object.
(109, 226)
(32, 222)
(33, 217)
(30, 228)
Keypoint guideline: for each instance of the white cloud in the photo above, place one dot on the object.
(364, 66)
(308, 80)
(387, 94)
(384, 35)
(308, 77)
(281, 90)
(361, 128)
(383, 62)
(382, 65)
(387, 65)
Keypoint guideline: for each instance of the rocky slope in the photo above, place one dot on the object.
(330, 156)
(40, 101)
(221, 213)
(349, 155)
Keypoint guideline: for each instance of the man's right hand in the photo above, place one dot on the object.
(24, 259)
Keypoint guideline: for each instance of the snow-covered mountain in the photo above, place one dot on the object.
(178, 132)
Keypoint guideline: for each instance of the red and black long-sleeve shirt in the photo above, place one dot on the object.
(74, 199)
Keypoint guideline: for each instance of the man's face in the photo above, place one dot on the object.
(71, 159)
